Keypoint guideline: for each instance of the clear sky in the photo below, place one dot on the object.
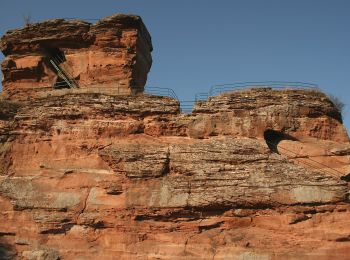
(199, 43)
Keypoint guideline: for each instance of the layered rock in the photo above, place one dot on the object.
(114, 55)
(104, 171)
(250, 112)
(125, 177)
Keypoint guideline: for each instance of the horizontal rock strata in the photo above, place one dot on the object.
(102, 176)
(114, 55)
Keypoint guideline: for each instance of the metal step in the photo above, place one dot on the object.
(67, 78)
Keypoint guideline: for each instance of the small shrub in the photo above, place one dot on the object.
(27, 19)
(338, 104)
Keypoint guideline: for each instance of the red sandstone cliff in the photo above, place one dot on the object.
(114, 54)
(88, 176)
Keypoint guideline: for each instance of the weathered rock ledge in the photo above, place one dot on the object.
(114, 53)
(86, 176)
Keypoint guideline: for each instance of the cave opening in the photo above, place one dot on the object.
(56, 54)
(273, 138)
(56, 57)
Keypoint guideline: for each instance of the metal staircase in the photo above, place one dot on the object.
(67, 79)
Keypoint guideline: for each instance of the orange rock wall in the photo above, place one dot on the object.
(114, 54)
(250, 174)
(87, 176)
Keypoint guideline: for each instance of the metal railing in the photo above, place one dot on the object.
(187, 106)
(156, 91)
(68, 79)
(117, 90)
(230, 87)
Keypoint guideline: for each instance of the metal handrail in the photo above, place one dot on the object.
(229, 87)
(115, 90)
(157, 91)
(201, 96)
(58, 60)
(187, 106)
(60, 72)
(222, 88)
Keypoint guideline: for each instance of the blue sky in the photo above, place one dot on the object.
(200, 43)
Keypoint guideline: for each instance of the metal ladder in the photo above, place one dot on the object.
(67, 78)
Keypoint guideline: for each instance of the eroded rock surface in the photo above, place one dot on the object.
(106, 172)
(113, 55)
(87, 176)
(250, 112)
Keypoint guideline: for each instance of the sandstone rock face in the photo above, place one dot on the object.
(88, 176)
(104, 171)
(114, 54)
(250, 112)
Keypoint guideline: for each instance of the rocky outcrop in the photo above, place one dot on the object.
(105, 171)
(113, 54)
(109, 176)
(250, 112)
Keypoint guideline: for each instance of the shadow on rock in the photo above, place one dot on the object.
(6, 251)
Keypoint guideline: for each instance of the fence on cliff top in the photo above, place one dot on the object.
(186, 106)
(117, 90)
(230, 87)
(203, 96)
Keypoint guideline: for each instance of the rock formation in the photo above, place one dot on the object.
(250, 174)
(113, 54)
